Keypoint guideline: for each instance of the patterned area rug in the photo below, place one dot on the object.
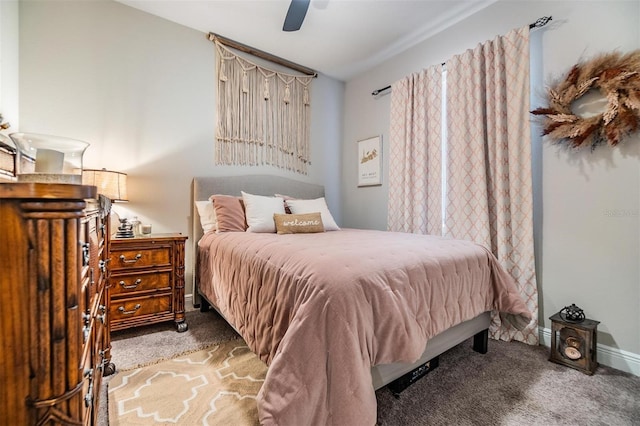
(214, 386)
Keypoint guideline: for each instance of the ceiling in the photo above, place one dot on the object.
(339, 38)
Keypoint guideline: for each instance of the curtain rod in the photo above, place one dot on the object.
(261, 54)
(540, 22)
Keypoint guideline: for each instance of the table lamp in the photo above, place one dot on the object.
(112, 185)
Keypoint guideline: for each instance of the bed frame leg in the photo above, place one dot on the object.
(204, 305)
(481, 341)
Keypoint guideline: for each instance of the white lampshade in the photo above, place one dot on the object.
(112, 185)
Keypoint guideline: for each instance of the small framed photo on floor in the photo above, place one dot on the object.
(370, 161)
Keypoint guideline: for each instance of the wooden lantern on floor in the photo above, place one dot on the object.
(574, 340)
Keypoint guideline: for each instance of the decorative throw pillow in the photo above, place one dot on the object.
(229, 213)
(317, 205)
(207, 215)
(259, 211)
(298, 223)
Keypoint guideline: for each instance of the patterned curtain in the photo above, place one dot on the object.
(488, 183)
(415, 154)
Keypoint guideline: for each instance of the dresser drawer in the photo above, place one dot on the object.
(130, 283)
(123, 310)
(140, 258)
(93, 324)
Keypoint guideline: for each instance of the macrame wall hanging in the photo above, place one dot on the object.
(263, 115)
(617, 77)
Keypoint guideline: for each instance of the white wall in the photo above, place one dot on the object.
(9, 62)
(141, 91)
(587, 225)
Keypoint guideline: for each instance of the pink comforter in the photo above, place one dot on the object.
(321, 309)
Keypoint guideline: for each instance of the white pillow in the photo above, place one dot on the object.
(207, 215)
(259, 211)
(310, 206)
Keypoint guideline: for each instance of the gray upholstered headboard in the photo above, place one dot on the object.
(205, 186)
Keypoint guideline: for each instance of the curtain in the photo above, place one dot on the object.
(488, 182)
(263, 115)
(415, 153)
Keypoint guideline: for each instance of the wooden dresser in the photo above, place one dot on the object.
(54, 335)
(147, 280)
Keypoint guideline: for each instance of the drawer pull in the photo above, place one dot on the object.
(88, 398)
(103, 265)
(125, 312)
(134, 285)
(102, 361)
(85, 254)
(103, 315)
(123, 259)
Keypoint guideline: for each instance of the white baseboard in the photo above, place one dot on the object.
(611, 357)
(188, 302)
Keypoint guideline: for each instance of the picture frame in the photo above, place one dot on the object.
(370, 161)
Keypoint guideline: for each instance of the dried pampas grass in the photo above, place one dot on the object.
(617, 76)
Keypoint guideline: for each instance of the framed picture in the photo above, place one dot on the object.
(370, 161)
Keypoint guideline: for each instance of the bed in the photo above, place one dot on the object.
(332, 335)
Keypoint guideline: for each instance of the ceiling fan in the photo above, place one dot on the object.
(295, 15)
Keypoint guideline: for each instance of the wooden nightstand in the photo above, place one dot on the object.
(146, 279)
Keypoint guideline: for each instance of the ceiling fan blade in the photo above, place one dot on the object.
(295, 15)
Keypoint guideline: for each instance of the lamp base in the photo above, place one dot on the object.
(125, 230)
(124, 233)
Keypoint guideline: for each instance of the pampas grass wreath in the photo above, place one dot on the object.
(617, 77)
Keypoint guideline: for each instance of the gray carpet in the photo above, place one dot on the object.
(513, 384)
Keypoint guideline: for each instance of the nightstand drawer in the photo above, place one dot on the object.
(131, 283)
(140, 258)
(123, 310)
